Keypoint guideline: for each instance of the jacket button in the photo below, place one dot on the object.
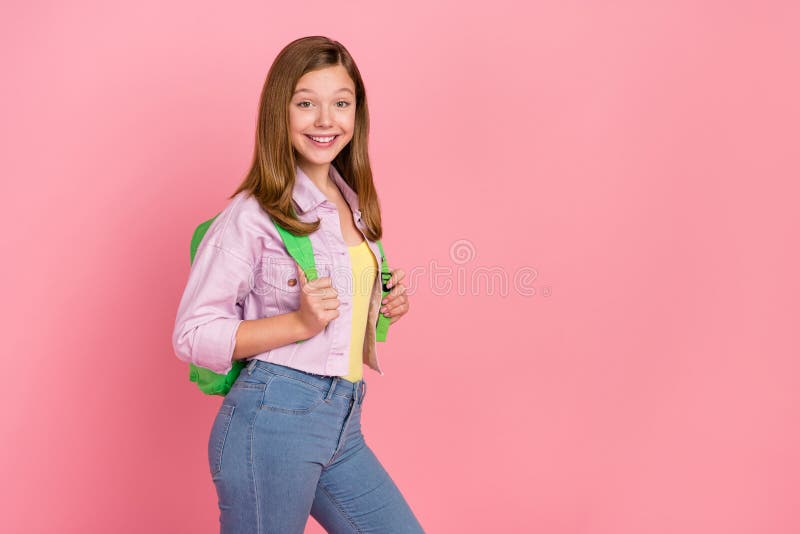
(292, 281)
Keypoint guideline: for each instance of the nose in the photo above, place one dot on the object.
(323, 119)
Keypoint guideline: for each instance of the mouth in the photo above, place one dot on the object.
(322, 141)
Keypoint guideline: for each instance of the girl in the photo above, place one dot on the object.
(287, 441)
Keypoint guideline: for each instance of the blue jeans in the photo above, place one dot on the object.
(286, 444)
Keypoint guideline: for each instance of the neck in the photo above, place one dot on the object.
(319, 174)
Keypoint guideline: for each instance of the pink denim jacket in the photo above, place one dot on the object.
(241, 270)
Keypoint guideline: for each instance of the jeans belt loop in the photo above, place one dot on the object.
(331, 389)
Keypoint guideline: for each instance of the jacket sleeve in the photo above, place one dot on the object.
(208, 314)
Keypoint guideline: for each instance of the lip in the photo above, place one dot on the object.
(322, 145)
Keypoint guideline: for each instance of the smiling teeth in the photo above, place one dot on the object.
(322, 139)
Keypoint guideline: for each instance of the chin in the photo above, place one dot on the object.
(318, 160)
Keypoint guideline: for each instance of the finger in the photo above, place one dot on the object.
(322, 282)
(397, 310)
(327, 293)
(394, 306)
(321, 294)
(315, 287)
(330, 304)
(301, 275)
(394, 293)
(397, 275)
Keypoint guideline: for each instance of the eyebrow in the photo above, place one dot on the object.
(303, 89)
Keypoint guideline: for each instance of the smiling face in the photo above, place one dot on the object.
(323, 106)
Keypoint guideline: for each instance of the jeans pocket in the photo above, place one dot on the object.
(219, 433)
(245, 380)
(291, 396)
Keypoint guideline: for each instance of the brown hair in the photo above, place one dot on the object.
(271, 176)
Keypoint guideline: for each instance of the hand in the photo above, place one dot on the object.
(319, 302)
(395, 304)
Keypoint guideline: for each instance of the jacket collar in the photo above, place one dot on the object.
(307, 195)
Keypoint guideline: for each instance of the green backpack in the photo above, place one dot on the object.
(299, 247)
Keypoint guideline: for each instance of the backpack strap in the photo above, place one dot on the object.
(197, 237)
(299, 248)
(382, 327)
(208, 381)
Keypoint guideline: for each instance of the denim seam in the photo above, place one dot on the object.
(304, 382)
(246, 385)
(291, 411)
(338, 507)
(220, 445)
(253, 469)
(263, 405)
(299, 380)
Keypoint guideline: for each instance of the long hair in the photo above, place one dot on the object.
(271, 176)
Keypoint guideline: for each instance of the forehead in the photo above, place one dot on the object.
(329, 80)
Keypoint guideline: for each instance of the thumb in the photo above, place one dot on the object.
(301, 274)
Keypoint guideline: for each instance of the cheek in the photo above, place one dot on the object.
(349, 123)
(297, 121)
(296, 141)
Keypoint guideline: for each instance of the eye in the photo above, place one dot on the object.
(301, 104)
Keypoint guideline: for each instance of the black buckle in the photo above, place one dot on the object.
(385, 277)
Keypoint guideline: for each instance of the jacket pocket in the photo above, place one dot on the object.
(282, 284)
(277, 286)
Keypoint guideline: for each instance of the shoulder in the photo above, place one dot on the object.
(242, 228)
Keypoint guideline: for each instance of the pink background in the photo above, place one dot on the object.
(642, 157)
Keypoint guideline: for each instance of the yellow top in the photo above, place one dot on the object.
(365, 271)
